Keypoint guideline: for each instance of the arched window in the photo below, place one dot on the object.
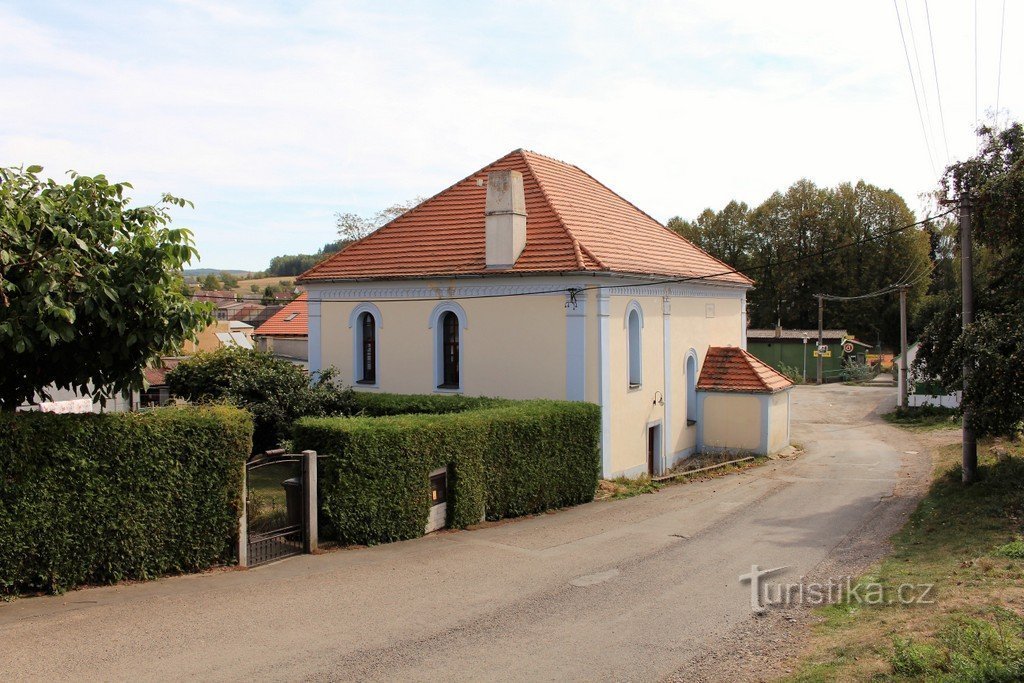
(367, 331)
(449, 331)
(635, 351)
(691, 388)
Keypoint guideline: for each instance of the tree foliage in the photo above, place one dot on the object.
(993, 180)
(776, 244)
(353, 226)
(276, 391)
(90, 287)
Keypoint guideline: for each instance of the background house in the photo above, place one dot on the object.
(778, 347)
(286, 333)
(531, 279)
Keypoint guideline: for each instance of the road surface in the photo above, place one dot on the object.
(636, 589)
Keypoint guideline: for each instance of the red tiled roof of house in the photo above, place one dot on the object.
(290, 321)
(574, 223)
(730, 368)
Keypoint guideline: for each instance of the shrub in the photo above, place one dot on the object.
(512, 459)
(102, 498)
(276, 391)
(792, 373)
(373, 404)
(854, 371)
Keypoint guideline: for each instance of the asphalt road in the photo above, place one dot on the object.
(613, 590)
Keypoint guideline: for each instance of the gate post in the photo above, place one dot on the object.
(311, 500)
(243, 521)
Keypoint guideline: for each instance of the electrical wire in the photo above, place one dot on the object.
(920, 71)
(913, 84)
(573, 291)
(935, 71)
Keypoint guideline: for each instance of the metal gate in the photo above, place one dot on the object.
(275, 506)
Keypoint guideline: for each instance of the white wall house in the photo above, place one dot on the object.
(531, 279)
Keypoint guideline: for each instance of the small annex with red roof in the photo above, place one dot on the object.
(743, 404)
(529, 278)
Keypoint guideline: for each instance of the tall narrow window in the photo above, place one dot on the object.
(635, 355)
(367, 349)
(449, 351)
(691, 389)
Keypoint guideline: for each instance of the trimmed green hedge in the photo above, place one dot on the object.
(373, 404)
(513, 459)
(102, 498)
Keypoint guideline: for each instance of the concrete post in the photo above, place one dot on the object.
(243, 522)
(311, 500)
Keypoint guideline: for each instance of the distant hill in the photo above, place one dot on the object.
(202, 272)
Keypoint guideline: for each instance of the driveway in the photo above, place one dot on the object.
(626, 590)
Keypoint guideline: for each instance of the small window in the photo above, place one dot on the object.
(691, 389)
(449, 351)
(367, 330)
(635, 352)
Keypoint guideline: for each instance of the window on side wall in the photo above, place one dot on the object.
(367, 340)
(449, 349)
(635, 350)
(691, 389)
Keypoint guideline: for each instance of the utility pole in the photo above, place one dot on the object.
(903, 346)
(821, 335)
(970, 446)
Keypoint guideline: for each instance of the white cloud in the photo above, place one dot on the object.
(272, 119)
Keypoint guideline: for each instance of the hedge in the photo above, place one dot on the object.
(101, 498)
(513, 459)
(373, 404)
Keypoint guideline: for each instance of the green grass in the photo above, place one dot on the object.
(266, 502)
(966, 541)
(924, 418)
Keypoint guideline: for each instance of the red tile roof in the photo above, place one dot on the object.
(290, 321)
(730, 368)
(574, 223)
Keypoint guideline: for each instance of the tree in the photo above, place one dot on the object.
(778, 242)
(276, 391)
(993, 180)
(229, 280)
(90, 286)
(268, 296)
(352, 226)
(211, 283)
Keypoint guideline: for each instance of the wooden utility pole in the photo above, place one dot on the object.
(821, 335)
(903, 346)
(970, 446)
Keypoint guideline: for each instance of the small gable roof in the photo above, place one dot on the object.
(290, 321)
(730, 368)
(574, 224)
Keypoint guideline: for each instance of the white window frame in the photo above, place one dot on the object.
(634, 347)
(691, 386)
(357, 343)
(437, 332)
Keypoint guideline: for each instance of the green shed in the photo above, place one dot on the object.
(796, 348)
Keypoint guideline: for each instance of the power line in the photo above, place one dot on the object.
(573, 291)
(888, 289)
(935, 71)
(920, 72)
(913, 84)
(976, 65)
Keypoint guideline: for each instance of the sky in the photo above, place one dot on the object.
(272, 117)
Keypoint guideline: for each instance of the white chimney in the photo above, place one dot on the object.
(505, 221)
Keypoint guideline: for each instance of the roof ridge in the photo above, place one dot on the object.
(756, 362)
(658, 223)
(577, 246)
(413, 209)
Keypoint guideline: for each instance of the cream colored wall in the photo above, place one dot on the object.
(778, 417)
(633, 409)
(732, 421)
(512, 347)
(693, 329)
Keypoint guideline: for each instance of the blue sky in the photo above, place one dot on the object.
(271, 117)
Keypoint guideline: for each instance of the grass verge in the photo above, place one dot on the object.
(924, 418)
(966, 541)
(623, 487)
